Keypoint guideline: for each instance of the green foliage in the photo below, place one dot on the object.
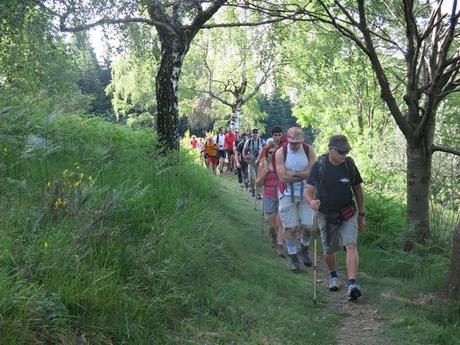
(133, 89)
(91, 74)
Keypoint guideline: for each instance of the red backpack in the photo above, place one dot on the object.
(284, 146)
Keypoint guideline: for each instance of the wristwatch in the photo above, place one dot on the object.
(361, 214)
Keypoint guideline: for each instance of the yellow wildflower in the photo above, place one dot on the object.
(46, 245)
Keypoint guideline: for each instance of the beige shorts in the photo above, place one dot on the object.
(341, 235)
(292, 212)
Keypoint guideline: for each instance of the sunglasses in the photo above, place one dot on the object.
(340, 151)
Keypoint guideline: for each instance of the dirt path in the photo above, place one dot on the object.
(362, 323)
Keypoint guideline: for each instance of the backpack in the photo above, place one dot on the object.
(284, 146)
(260, 144)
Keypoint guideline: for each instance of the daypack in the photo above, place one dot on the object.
(284, 146)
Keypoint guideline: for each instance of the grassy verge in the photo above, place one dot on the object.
(103, 241)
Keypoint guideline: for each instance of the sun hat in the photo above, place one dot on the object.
(295, 135)
(340, 143)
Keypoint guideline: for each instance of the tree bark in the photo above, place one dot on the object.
(453, 276)
(173, 52)
(418, 189)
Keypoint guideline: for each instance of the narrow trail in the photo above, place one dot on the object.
(362, 323)
(362, 320)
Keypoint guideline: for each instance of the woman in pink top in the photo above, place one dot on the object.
(267, 177)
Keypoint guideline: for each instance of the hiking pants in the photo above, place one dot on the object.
(253, 170)
(243, 172)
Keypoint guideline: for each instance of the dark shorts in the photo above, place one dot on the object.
(220, 154)
(229, 152)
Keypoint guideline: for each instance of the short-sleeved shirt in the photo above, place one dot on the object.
(211, 149)
(219, 140)
(229, 140)
(335, 189)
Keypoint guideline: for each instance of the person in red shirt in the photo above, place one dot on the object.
(193, 142)
(230, 138)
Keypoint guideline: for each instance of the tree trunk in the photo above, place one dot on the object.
(453, 276)
(173, 52)
(234, 123)
(418, 189)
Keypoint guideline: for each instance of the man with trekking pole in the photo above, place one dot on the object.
(294, 161)
(333, 181)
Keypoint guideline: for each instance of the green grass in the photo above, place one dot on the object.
(155, 250)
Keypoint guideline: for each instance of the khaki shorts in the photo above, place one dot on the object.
(291, 212)
(341, 235)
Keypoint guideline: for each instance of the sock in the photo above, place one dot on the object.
(291, 246)
(334, 274)
(351, 281)
(304, 242)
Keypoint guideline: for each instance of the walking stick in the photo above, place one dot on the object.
(262, 223)
(315, 267)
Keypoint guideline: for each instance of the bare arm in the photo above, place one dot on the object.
(358, 191)
(285, 176)
(262, 172)
(245, 150)
(311, 160)
(309, 196)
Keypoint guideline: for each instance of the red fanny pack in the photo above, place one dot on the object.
(347, 212)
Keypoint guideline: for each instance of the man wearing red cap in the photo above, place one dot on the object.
(294, 161)
(333, 180)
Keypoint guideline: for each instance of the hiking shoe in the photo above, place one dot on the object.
(274, 241)
(280, 251)
(334, 284)
(293, 263)
(246, 185)
(305, 257)
(354, 291)
(253, 194)
(259, 196)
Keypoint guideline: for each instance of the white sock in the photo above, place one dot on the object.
(291, 246)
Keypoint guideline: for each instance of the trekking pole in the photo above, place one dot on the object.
(262, 223)
(315, 267)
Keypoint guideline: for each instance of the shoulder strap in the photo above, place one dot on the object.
(350, 164)
(306, 149)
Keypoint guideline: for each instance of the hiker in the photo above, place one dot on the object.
(277, 133)
(240, 163)
(294, 160)
(193, 142)
(220, 141)
(210, 148)
(251, 151)
(335, 178)
(269, 180)
(229, 141)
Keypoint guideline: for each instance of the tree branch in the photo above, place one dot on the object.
(435, 148)
(105, 21)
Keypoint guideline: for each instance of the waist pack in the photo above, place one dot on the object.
(338, 217)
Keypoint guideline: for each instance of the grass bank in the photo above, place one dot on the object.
(103, 241)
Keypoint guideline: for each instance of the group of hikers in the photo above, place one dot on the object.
(297, 187)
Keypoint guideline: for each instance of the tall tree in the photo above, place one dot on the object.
(426, 41)
(177, 23)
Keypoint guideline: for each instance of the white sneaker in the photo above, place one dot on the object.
(334, 284)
